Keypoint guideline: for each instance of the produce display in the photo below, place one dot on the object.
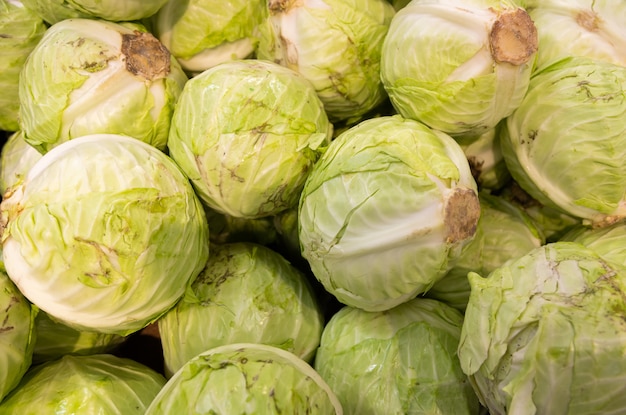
(367, 207)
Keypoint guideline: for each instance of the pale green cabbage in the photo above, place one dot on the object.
(17, 335)
(400, 361)
(53, 11)
(242, 378)
(96, 384)
(90, 76)
(247, 133)
(592, 28)
(608, 242)
(204, 33)
(386, 211)
(545, 334)
(247, 293)
(55, 340)
(16, 158)
(565, 144)
(459, 66)
(104, 234)
(335, 44)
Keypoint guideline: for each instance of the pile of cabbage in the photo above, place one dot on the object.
(325, 207)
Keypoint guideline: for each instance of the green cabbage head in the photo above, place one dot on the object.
(96, 384)
(386, 211)
(104, 233)
(247, 293)
(246, 378)
(89, 76)
(247, 133)
(546, 334)
(459, 66)
(21, 29)
(53, 11)
(565, 145)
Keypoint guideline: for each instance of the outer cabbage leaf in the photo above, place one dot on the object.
(608, 242)
(16, 158)
(17, 335)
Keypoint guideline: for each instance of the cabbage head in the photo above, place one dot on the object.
(205, 33)
(89, 76)
(592, 28)
(565, 145)
(335, 44)
(21, 29)
(386, 211)
(247, 293)
(399, 361)
(104, 234)
(459, 66)
(53, 11)
(546, 334)
(247, 133)
(246, 378)
(96, 384)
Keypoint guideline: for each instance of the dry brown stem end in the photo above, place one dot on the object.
(588, 20)
(282, 6)
(513, 37)
(461, 215)
(145, 55)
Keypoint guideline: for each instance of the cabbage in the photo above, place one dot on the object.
(566, 143)
(205, 33)
(591, 28)
(400, 361)
(335, 44)
(247, 133)
(53, 11)
(247, 293)
(243, 378)
(96, 384)
(55, 340)
(545, 334)
(17, 336)
(459, 66)
(16, 158)
(386, 211)
(93, 76)
(104, 234)
(21, 29)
